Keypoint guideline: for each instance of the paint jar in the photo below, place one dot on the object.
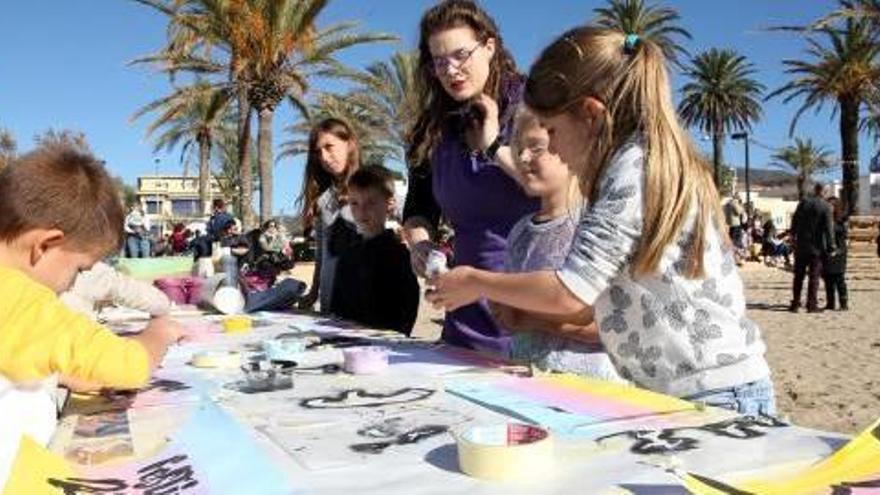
(365, 360)
(436, 264)
(284, 348)
(237, 324)
(266, 375)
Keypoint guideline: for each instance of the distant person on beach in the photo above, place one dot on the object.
(734, 215)
(773, 244)
(812, 231)
(650, 258)
(540, 241)
(44, 244)
(218, 220)
(834, 264)
(137, 227)
(334, 156)
(374, 282)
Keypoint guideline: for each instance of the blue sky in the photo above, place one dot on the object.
(63, 64)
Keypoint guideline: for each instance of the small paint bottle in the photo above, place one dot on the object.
(436, 264)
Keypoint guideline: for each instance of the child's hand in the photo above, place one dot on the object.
(453, 289)
(169, 330)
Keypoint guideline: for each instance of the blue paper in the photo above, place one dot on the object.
(522, 408)
(228, 456)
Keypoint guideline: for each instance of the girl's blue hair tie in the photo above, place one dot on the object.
(630, 43)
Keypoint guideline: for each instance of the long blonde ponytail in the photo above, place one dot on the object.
(629, 76)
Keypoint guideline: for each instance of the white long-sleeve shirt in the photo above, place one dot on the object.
(102, 283)
(664, 331)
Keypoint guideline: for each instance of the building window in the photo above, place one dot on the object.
(185, 207)
(153, 206)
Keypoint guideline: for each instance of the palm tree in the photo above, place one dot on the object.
(271, 50)
(721, 97)
(225, 161)
(208, 38)
(379, 111)
(8, 148)
(290, 50)
(375, 137)
(650, 21)
(842, 72)
(190, 117)
(805, 159)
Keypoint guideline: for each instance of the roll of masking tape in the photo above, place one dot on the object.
(237, 324)
(216, 359)
(502, 452)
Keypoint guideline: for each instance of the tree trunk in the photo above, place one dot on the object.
(264, 158)
(801, 180)
(717, 157)
(246, 188)
(849, 145)
(204, 175)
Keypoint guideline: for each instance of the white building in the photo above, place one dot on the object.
(169, 199)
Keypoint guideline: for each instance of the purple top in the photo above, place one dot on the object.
(482, 203)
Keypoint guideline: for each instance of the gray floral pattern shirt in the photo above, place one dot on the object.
(664, 331)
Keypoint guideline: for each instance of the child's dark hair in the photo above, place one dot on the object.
(61, 187)
(375, 177)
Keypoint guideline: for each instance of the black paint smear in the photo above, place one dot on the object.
(558, 409)
(160, 478)
(343, 399)
(383, 429)
(76, 486)
(743, 428)
(340, 342)
(846, 487)
(721, 487)
(648, 442)
(167, 385)
(876, 432)
(408, 438)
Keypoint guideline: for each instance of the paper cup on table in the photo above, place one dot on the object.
(504, 451)
(365, 360)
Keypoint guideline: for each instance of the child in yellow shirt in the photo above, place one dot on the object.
(59, 214)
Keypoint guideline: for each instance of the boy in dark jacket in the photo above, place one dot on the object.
(834, 266)
(374, 282)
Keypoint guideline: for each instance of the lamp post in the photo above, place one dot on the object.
(745, 138)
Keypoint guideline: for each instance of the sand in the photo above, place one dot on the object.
(826, 366)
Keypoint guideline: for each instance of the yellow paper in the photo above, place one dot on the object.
(32, 467)
(858, 460)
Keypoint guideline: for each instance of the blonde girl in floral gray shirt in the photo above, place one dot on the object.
(649, 257)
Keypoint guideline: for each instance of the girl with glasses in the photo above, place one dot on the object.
(461, 166)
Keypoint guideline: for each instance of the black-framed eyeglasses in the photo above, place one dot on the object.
(456, 59)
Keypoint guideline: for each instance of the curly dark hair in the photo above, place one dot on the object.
(449, 14)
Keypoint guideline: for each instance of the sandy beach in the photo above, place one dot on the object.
(826, 366)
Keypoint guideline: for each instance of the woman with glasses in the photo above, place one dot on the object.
(461, 165)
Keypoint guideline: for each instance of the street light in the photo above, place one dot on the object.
(745, 138)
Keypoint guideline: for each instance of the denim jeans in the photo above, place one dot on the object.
(281, 296)
(751, 399)
(134, 247)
